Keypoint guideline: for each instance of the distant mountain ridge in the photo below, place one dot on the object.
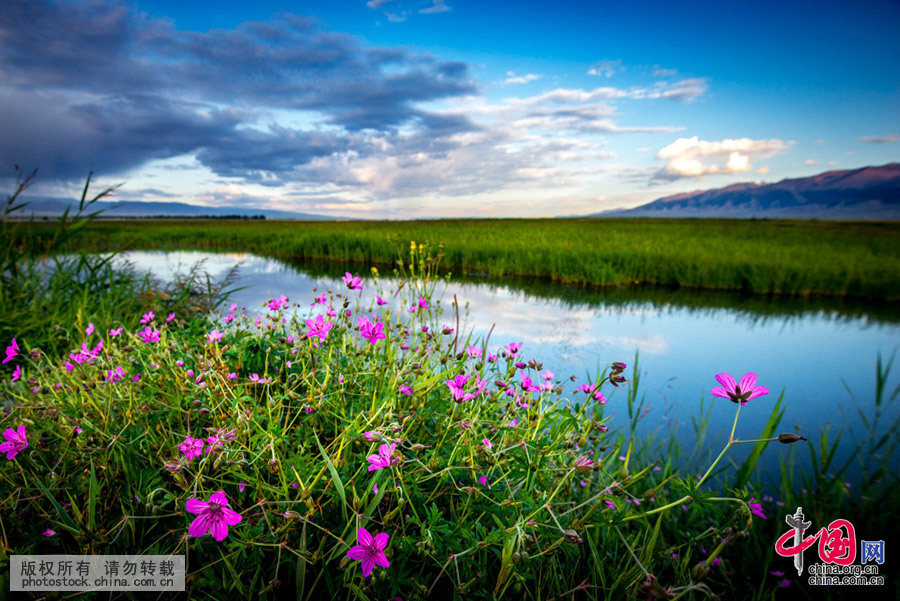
(133, 209)
(864, 193)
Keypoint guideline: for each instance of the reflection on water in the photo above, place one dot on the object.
(812, 349)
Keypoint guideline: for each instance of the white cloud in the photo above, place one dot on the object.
(658, 72)
(888, 139)
(685, 90)
(511, 77)
(692, 157)
(763, 170)
(810, 162)
(437, 7)
(606, 68)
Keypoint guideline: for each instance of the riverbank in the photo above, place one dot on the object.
(782, 257)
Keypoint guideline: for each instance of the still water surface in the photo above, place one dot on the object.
(821, 353)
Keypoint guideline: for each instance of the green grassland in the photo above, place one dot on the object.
(790, 257)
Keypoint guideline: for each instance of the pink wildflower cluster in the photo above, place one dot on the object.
(457, 385)
(591, 389)
(275, 304)
(85, 354)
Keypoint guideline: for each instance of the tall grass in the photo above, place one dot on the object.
(49, 288)
(555, 506)
(780, 257)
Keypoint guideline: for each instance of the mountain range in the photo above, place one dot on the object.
(133, 209)
(865, 193)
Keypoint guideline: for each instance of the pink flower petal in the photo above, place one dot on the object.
(364, 538)
(232, 517)
(219, 529)
(381, 541)
(727, 381)
(748, 381)
(219, 498)
(200, 525)
(368, 562)
(382, 560)
(196, 506)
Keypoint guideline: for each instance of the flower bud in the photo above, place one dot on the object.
(699, 571)
(572, 536)
(787, 438)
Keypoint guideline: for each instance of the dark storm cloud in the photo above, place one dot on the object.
(93, 85)
(67, 137)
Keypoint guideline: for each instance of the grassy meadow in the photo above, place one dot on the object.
(376, 453)
(855, 259)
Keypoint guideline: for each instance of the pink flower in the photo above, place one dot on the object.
(232, 376)
(214, 336)
(114, 375)
(241, 486)
(170, 317)
(115, 332)
(191, 447)
(487, 443)
(528, 385)
(513, 347)
(741, 392)
(484, 482)
(404, 389)
(370, 551)
(276, 303)
(456, 388)
(11, 351)
(756, 509)
(17, 373)
(49, 532)
(318, 327)
(380, 300)
(89, 330)
(233, 307)
(149, 335)
(354, 283)
(375, 489)
(384, 458)
(371, 332)
(15, 441)
(147, 317)
(214, 517)
(473, 351)
(423, 303)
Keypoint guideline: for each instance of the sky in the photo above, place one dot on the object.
(402, 109)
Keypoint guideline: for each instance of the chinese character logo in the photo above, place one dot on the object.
(872, 551)
(837, 541)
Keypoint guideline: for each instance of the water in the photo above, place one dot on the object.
(812, 350)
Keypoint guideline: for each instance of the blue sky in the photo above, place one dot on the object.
(439, 108)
